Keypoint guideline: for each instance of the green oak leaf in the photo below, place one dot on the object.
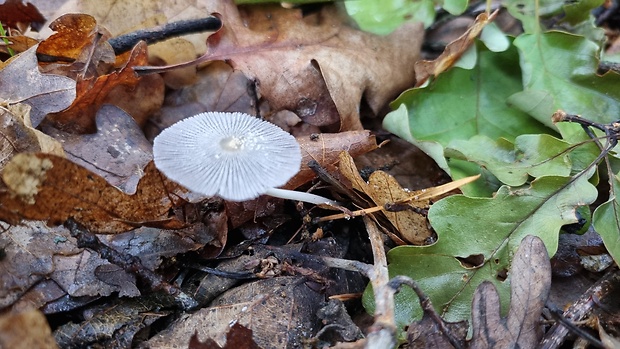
(460, 104)
(606, 220)
(559, 72)
(580, 11)
(383, 17)
(531, 155)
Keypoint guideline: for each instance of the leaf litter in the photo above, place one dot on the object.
(154, 228)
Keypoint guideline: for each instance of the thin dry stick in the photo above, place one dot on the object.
(423, 194)
(383, 331)
(603, 288)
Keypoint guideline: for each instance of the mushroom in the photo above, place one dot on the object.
(231, 155)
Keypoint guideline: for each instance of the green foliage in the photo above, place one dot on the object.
(383, 17)
(513, 164)
(477, 238)
(606, 220)
(438, 115)
(495, 119)
(5, 40)
(560, 69)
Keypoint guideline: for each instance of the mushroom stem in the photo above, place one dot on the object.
(299, 196)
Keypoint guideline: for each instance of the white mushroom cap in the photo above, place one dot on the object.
(232, 155)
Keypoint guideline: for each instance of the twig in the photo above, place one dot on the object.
(126, 42)
(556, 313)
(607, 286)
(383, 331)
(86, 239)
(423, 194)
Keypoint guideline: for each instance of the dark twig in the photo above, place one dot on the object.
(224, 274)
(556, 313)
(126, 42)
(607, 286)
(328, 178)
(129, 263)
(427, 307)
(604, 67)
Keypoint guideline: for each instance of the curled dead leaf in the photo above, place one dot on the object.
(426, 69)
(93, 92)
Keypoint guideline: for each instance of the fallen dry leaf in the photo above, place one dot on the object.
(26, 330)
(47, 187)
(530, 280)
(28, 249)
(413, 226)
(77, 47)
(237, 337)
(40, 295)
(406, 210)
(314, 66)
(14, 12)
(118, 151)
(426, 69)
(17, 137)
(280, 311)
(21, 81)
(93, 92)
(86, 274)
(382, 188)
(19, 44)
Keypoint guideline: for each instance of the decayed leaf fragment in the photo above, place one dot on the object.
(384, 190)
(26, 329)
(17, 136)
(22, 81)
(425, 69)
(93, 92)
(530, 280)
(51, 188)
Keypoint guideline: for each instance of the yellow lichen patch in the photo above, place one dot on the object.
(24, 176)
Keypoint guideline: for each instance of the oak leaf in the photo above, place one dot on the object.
(530, 285)
(314, 65)
(426, 69)
(21, 81)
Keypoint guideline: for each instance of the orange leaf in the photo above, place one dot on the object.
(51, 188)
